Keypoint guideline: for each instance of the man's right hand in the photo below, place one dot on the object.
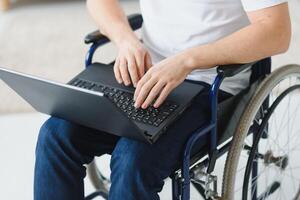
(132, 62)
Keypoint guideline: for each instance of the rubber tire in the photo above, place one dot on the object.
(97, 179)
(263, 90)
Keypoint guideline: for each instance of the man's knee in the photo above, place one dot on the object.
(53, 130)
(133, 164)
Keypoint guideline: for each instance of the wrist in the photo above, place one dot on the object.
(200, 57)
(187, 60)
(126, 38)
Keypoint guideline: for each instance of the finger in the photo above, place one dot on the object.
(140, 85)
(140, 61)
(163, 95)
(117, 71)
(132, 68)
(148, 61)
(144, 92)
(124, 71)
(153, 94)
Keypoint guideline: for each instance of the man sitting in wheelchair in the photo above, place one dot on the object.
(181, 40)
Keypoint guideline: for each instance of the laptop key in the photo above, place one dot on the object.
(97, 88)
(91, 87)
(76, 82)
(155, 124)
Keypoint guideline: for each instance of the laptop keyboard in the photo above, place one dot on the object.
(124, 101)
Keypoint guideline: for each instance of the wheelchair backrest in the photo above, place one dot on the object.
(260, 69)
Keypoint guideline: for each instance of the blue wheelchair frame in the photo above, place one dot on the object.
(181, 189)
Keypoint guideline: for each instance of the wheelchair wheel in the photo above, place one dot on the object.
(263, 161)
(98, 180)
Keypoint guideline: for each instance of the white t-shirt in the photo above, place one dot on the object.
(171, 26)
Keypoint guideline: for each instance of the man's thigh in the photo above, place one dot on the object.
(86, 141)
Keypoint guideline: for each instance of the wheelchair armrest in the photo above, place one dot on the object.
(233, 69)
(135, 22)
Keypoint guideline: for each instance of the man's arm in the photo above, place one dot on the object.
(133, 59)
(111, 19)
(268, 34)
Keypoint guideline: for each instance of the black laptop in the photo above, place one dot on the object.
(95, 99)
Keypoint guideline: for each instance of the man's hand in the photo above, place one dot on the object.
(132, 62)
(160, 80)
(133, 59)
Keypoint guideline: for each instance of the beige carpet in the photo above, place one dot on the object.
(45, 38)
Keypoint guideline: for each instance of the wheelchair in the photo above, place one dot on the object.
(255, 131)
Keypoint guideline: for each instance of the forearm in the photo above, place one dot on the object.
(111, 20)
(254, 42)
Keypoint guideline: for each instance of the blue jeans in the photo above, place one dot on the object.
(138, 169)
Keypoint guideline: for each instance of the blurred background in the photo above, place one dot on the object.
(45, 38)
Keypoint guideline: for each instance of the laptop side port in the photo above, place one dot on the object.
(148, 137)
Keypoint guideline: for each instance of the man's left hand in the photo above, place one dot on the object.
(160, 80)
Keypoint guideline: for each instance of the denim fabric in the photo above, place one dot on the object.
(138, 169)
